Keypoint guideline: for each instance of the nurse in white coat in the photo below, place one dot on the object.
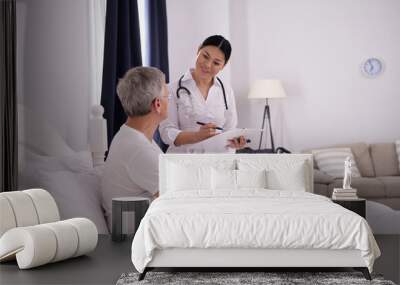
(201, 104)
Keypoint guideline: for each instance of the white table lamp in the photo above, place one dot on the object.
(266, 89)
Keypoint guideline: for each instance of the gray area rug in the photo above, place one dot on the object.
(273, 278)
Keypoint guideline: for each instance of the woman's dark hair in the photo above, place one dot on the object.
(221, 43)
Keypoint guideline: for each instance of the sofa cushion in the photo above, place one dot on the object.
(367, 187)
(331, 161)
(363, 159)
(385, 160)
(361, 156)
(392, 185)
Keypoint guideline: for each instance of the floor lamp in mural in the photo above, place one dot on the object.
(267, 89)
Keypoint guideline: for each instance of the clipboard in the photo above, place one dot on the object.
(218, 143)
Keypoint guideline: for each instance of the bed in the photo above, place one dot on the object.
(72, 177)
(247, 210)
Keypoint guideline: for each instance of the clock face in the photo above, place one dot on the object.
(372, 67)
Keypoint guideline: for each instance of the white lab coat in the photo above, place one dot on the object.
(184, 112)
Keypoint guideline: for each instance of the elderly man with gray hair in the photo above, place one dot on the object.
(131, 168)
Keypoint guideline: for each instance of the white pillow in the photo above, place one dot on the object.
(188, 177)
(76, 195)
(398, 151)
(228, 179)
(251, 178)
(292, 178)
(223, 179)
(331, 161)
(281, 174)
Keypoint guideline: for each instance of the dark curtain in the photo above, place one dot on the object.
(8, 98)
(158, 35)
(158, 42)
(122, 51)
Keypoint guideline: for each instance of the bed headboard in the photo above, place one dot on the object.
(282, 163)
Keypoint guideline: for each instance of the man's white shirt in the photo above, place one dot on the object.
(131, 168)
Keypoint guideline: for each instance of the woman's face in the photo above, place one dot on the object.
(210, 60)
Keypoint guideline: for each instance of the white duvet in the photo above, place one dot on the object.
(252, 218)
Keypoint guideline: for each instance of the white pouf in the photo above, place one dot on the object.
(37, 245)
(31, 233)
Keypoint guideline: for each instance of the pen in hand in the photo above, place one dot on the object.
(202, 124)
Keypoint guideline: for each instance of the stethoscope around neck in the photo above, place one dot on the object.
(187, 91)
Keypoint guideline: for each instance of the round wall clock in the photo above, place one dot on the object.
(372, 67)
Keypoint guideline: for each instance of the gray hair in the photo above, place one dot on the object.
(138, 88)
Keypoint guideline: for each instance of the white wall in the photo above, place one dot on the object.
(316, 47)
(189, 23)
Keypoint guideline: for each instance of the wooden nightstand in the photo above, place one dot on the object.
(356, 205)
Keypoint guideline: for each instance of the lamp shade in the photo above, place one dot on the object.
(266, 88)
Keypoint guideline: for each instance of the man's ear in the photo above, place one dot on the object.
(157, 105)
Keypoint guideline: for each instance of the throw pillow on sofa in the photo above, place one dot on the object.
(384, 157)
(331, 161)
